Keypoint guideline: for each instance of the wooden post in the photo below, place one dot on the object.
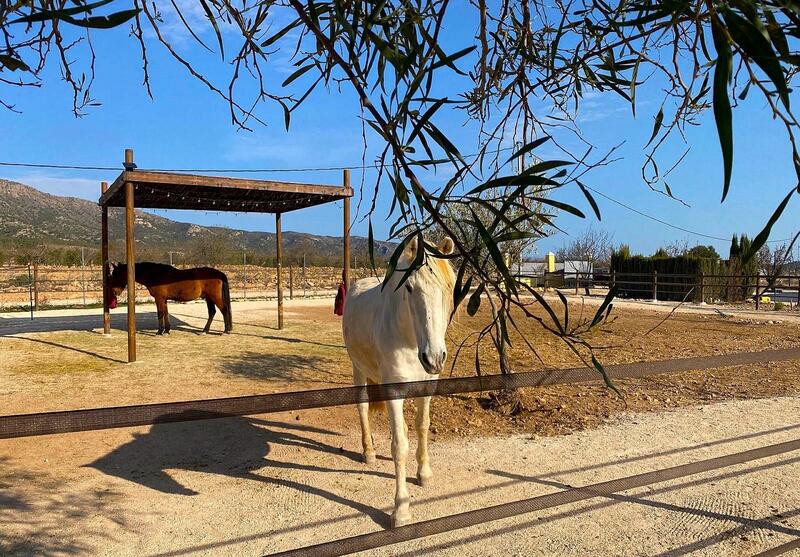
(36, 285)
(613, 279)
(655, 285)
(291, 281)
(304, 276)
(105, 263)
(702, 287)
(278, 256)
(131, 262)
(346, 255)
(577, 281)
(798, 290)
(244, 273)
(758, 295)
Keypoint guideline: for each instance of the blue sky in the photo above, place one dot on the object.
(188, 126)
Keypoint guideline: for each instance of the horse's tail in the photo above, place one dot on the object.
(376, 405)
(226, 299)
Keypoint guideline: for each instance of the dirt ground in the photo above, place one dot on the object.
(248, 486)
(62, 361)
(257, 485)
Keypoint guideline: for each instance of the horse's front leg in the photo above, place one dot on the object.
(166, 318)
(397, 423)
(423, 422)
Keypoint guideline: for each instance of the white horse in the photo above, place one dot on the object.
(396, 335)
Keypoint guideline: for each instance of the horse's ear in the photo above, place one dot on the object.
(446, 246)
(411, 249)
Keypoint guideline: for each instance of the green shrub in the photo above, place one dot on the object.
(779, 306)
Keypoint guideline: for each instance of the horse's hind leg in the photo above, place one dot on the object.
(161, 309)
(167, 325)
(368, 449)
(423, 422)
(212, 311)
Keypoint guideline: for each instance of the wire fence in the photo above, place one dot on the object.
(764, 291)
(35, 287)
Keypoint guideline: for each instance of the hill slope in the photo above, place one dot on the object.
(27, 213)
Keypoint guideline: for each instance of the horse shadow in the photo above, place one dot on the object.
(93, 323)
(235, 447)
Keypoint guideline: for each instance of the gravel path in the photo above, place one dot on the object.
(250, 486)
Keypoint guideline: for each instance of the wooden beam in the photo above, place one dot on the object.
(346, 255)
(105, 264)
(131, 262)
(278, 266)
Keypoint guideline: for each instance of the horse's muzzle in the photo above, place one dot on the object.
(432, 365)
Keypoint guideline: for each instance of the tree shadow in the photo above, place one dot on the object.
(33, 508)
(236, 447)
(289, 367)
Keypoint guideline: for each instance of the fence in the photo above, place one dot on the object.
(100, 418)
(679, 287)
(35, 286)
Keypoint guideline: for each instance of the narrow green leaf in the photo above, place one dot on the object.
(590, 199)
(656, 125)
(475, 301)
(528, 148)
(296, 74)
(762, 237)
(722, 103)
(606, 378)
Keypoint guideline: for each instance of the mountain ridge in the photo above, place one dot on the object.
(29, 214)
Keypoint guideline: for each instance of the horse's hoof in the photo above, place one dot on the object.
(369, 458)
(203, 332)
(425, 479)
(400, 519)
(159, 333)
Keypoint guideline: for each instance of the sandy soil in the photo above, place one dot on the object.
(250, 486)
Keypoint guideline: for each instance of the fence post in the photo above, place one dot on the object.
(83, 274)
(577, 281)
(702, 287)
(35, 286)
(291, 281)
(244, 273)
(30, 290)
(758, 296)
(613, 279)
(304, 275)
(798, 290)
(655, 285)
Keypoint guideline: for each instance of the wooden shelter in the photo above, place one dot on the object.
(168, 190)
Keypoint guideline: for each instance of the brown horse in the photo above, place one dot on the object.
(165, 282)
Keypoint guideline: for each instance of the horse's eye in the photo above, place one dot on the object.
(408, 287)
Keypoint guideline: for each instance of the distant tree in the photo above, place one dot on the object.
(29, 251)
(623, 251)
(771, 261)
(735, 250)
(211, 249)
(677, 248)
(707, 252)
(593, 246)
(661, 253)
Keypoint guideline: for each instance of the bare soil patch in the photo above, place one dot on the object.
(61, 361)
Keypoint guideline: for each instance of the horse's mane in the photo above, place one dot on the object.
(444, 274)
(156, 266)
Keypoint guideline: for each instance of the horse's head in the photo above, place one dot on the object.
(428, 293)
(117, 281)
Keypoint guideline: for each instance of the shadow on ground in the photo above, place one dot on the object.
(31, 521)
(93, 323)
(234, 447)
(288, 367)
